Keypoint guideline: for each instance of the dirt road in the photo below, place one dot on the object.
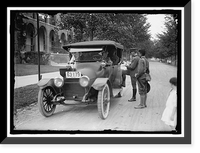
(122, 116)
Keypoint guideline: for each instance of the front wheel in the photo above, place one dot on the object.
(103, 102)
(45, 104)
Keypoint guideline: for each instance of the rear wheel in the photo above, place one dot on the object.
(45, 104)
(103, 102)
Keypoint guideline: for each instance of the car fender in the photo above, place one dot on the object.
(48, 82)
(99, 83)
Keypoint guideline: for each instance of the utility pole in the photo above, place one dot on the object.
(91, 27)
(38, 40)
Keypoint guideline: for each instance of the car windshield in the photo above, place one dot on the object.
(86, 56)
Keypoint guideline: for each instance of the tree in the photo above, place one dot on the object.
(131, 30)
(84, 24)
(20, 34)
(148, 45)
(167, 45)
(20, 29)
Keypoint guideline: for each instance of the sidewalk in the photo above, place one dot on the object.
(21, 81)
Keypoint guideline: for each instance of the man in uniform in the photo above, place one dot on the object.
(131, 70)
(143, 68)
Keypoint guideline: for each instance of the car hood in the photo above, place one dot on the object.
(88, 69)
(88, 72)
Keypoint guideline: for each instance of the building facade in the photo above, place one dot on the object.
(51, 38)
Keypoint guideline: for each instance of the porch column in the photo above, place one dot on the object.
(35, 41)
(48, 49)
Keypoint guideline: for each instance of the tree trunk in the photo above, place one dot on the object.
(91, 35)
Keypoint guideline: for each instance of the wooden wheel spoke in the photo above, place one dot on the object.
(104, 102)
(46, 105)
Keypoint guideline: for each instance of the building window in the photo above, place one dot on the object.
(30, 38)
(42, 39)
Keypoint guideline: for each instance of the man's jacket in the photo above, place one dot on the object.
(133, 67)
(143, 67)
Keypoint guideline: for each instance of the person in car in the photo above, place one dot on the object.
(106, 58)
(115, 59)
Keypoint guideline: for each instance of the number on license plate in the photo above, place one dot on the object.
(73, 74)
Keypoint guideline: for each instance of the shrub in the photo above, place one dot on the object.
(17, 58)
(59, 58)
(31, 57)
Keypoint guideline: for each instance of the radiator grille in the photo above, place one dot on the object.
(72, 89)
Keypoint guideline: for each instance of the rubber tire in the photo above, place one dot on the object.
(42, 110)
(103, 112)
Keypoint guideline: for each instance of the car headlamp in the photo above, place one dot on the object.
(58, 82)
(84, 81)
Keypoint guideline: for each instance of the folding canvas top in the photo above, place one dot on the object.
(93, 44)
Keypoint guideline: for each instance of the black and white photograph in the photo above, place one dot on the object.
(96, 72)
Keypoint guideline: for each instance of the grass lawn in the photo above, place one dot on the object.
(26, 69)
(25, 96)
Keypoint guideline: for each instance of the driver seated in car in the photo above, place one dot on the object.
(115, 58)
(106, 58)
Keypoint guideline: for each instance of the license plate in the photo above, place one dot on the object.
(73, 74)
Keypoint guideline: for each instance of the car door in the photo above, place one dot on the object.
(116, 78)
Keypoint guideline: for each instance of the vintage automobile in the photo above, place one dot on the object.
(89, 79)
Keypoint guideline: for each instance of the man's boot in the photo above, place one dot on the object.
(123, 80)
(142, 101)
(133, 96)
(145, 102)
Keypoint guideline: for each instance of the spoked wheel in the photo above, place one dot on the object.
(103, 102)
(45, 103)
